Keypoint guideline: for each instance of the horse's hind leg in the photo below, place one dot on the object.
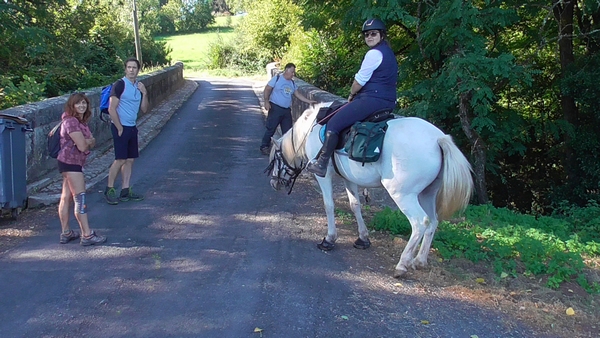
(363, 234)
(427, 199)
(410, 207)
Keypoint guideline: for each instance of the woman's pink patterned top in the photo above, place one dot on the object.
(68, 150)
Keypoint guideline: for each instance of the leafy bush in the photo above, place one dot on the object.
(54, 47)
(27, 90)
(325, 60)
(154, 53)
(392, 221)
(268, 26)
(220, 54)
(233, 56)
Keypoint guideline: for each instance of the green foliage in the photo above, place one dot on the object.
(268, 27)
(325, 61)
(227, 54)
(185, 16)
(344, 217)
(261, 37)
(154, 53)
(214, 52)
(392, 221)
(66, 45)
(220, 54)
(459, 243)
(515, 243)
(585, 225)
(238, 5)
(228, 21)
(504, 58)
(25, 91)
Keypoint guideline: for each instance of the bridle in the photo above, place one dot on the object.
(284, 169)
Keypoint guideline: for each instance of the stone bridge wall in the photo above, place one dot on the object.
(44, 115)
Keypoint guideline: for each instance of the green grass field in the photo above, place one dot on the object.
(192, 49)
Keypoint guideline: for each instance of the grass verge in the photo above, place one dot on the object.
(557, 249)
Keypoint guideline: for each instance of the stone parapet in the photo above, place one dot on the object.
(44, 115)
(313, 93)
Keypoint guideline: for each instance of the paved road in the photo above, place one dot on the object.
(213, 252)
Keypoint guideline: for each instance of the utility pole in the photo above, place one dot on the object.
(136, 31)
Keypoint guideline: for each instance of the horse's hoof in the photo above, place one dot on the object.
(360, 244)
(420, 265)
(325, 245)
(398, 273)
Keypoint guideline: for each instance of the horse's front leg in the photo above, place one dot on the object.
(363, 241)
(327, 191)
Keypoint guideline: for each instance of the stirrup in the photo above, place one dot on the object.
(315, 168)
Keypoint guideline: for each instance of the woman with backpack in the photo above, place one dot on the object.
(373, 89)
(76, 140)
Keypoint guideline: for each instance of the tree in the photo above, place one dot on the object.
(219, 6)
(269, 25)
(237, 6)
(514, 82)
(454, 66)
(53, 47)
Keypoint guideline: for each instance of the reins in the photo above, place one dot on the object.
(327, 117)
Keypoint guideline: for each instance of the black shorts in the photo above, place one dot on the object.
(65, 167)
(126, 145)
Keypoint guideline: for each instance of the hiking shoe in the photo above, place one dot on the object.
(92, 239)
(265, 150)
(69, 236)
(111, 196)
(128, 195)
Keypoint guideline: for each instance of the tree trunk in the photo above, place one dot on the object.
(478, 149)
(564, 15)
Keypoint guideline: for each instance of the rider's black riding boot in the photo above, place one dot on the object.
(318, 166)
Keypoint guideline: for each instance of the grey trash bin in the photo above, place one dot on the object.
(13, 164)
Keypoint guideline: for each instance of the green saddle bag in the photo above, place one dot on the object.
(365, 141)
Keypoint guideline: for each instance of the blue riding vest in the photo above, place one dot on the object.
(382, 83)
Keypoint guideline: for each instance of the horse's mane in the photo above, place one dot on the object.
(294, 149)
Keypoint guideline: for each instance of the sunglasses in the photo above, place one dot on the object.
(371, 34)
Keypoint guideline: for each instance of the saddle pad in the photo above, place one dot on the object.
(341, 140)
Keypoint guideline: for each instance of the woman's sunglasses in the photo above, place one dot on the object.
(369, 34)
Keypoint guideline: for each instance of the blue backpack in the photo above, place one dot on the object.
(105, 99)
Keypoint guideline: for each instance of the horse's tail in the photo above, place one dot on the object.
(457, 183)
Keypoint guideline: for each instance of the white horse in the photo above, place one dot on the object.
(421, 168)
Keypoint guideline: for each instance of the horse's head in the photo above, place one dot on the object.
(281, 172)
(287, 158)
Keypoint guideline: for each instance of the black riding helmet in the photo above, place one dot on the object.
(373, 24)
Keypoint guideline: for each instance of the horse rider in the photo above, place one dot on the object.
(373, 89)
